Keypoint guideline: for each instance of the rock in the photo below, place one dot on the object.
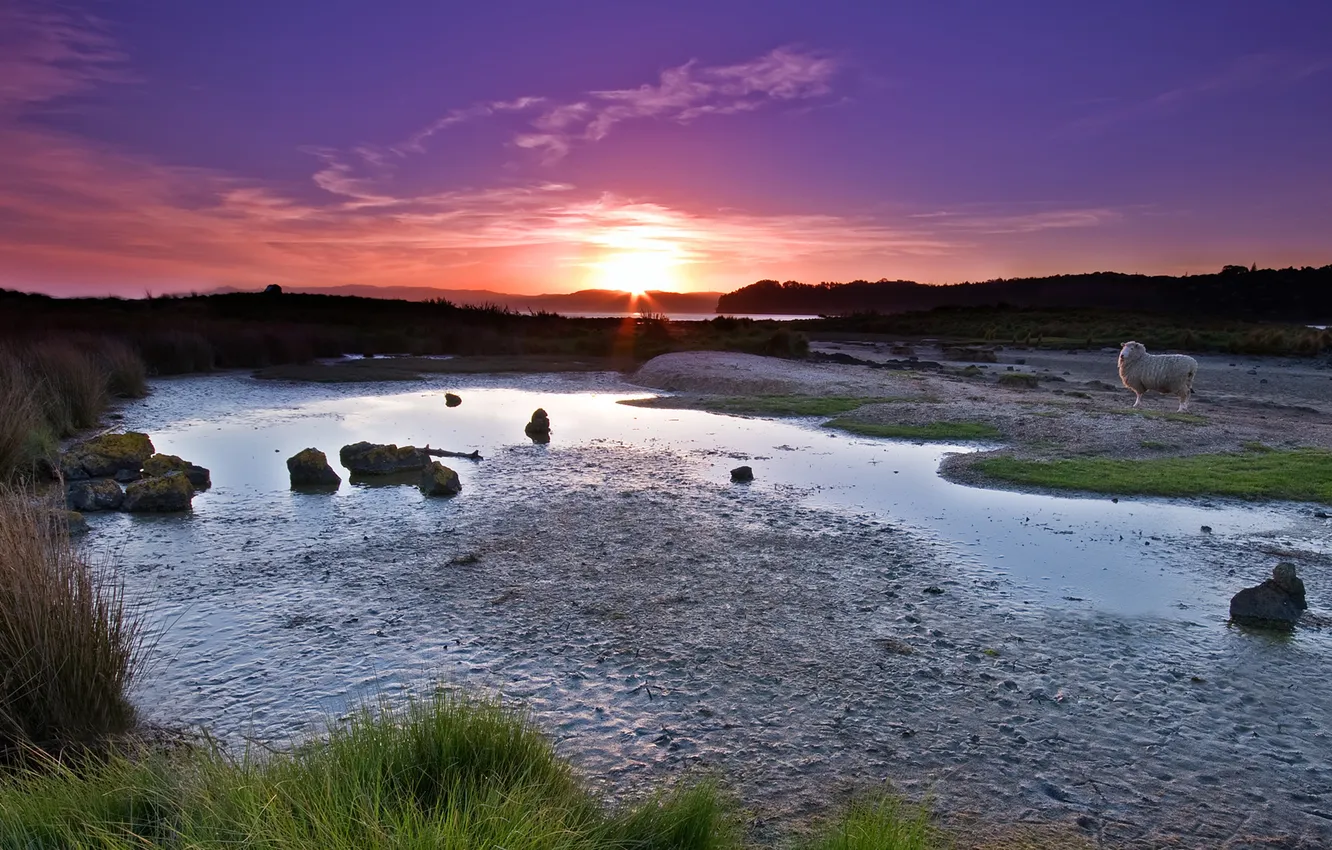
(1276, 603)
(100, 495)
(162, 494)
(104, 456)
(160, 464)
(539, 427)
(272, 289)
(375, 459)
(76, 524)
(125, 476)
(970, 354)
(742, 474)
(438, 480)
(451, 400)
(309, 468)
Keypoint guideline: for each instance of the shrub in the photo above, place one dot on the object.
(69, 648)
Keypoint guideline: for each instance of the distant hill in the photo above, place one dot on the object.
(1292, 295)
(583, 301)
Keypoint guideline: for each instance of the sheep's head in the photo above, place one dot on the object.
(1132, 349)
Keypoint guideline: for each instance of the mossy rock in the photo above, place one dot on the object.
(439, 480)
(102, 494)
(104, 456)
(1019, 381)
(170, 493)
(309, 468)
(160, 464)
(76, 524)
(376, 459)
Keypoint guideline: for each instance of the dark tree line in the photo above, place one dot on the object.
(1288, 295)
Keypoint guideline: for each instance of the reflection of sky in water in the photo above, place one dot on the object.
(1098, 553)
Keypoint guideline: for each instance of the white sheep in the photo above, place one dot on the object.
(1168, 374)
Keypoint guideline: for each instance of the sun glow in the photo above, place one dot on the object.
(637, 272)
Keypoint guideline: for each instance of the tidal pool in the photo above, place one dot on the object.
(847, 618)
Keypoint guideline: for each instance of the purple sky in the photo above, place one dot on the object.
(160, 145)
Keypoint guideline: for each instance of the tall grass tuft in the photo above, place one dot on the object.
(126, 375)
(70, 385)
(878, 824)
(20, 417)
(69, 647)
(443, 772)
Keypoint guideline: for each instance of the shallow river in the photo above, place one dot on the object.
(846, 619)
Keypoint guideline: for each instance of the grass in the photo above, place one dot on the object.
(56, 387)
(447, 771)
(766, 405)
(883, 823)
(1303, 475)
(930, 431)
(69, 647)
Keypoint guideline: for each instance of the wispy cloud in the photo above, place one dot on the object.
(979, 220)
(47, 54)
(683, 93)
(1246, 73)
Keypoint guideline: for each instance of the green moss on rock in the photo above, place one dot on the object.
(309, 468)
(168, 493)
(439, 480)
(160, 464)
(106, 455)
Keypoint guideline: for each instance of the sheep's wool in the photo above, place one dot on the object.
(1168, 374)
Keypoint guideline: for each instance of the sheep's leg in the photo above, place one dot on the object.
(1137, 403)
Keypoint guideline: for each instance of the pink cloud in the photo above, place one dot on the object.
(683, 93)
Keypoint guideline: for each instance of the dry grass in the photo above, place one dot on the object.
(70, 385)
(69, 646)
(20, 417)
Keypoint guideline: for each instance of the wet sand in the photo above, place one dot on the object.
(661, 623)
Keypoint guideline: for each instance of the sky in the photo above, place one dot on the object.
(157, 146)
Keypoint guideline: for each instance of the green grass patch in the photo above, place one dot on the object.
(766, 405)
(929, 431)
(878, 824)
(448, 771)
(1303, 475)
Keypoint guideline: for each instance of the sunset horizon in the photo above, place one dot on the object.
(168, 149)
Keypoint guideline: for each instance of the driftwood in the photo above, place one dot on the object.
(473, 455)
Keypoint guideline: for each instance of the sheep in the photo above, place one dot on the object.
(1168, 374)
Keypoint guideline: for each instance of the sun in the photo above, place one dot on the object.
(636, 272)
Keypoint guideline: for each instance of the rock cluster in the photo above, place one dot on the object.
(539, 427)
(94, 470)
(1276, 603)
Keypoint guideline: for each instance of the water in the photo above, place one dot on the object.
(657, 618)
(687, 317)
